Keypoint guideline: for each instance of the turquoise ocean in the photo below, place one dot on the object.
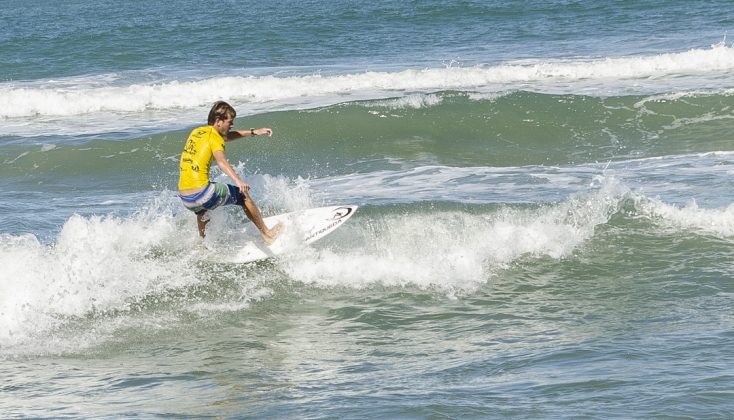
(546, 221)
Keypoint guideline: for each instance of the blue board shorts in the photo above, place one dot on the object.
(213, 196)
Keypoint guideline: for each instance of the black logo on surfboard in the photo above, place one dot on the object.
(338, 215)
(342, 212)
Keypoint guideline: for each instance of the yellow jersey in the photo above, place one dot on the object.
(197, 155)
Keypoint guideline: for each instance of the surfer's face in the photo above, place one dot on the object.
(223, 126)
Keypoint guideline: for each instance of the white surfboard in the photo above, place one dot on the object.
(299, 228)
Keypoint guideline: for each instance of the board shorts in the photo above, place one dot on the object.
(214, 195)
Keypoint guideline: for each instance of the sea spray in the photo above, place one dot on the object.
(451, 250)
(97, 264)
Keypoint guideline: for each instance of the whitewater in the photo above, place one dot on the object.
(114, 102)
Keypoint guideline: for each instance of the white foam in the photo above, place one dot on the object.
(286, 194)
(713, 221)
(107, 103)
(91, 280)
(463, 184)
(408, 102)
(96, 264)
(455, 250)
(99, 268)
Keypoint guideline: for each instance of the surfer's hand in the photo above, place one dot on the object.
(244, 187)
(263, 132)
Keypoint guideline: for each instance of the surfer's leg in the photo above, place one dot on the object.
(253, 213)
(201, 221)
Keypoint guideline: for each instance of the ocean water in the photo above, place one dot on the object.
(546, 221)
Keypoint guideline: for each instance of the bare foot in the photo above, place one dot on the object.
(273, 233)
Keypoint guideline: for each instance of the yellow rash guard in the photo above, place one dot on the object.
(197, 155)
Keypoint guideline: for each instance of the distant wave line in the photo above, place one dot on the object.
(83, 97)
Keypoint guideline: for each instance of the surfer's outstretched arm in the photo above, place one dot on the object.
(238, 134)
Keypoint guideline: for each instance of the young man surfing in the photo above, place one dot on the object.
(197, 192)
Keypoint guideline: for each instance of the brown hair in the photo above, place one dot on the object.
(221, 111)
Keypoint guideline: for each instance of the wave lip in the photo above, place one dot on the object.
(458, 251)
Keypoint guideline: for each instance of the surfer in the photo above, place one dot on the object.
(197, 192)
